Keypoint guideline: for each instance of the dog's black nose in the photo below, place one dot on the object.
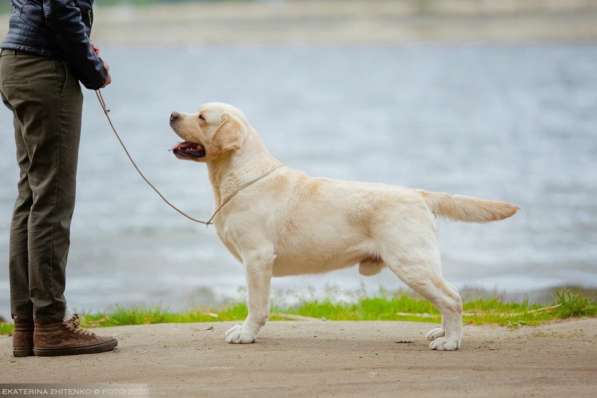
(174, 116)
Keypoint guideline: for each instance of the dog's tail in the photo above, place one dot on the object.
(467, 208)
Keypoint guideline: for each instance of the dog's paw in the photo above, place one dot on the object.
(445, 344)
(435, 333)
(239, 335)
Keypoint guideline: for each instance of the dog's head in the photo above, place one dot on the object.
(216, 130)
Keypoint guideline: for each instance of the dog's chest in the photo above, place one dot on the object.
(227, 237)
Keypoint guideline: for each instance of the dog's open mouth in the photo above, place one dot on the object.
(189, 150)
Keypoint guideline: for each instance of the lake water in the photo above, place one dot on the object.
(513, 123)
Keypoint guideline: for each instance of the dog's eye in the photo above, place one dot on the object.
(202, 117)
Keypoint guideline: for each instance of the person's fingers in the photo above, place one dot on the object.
(108, 81)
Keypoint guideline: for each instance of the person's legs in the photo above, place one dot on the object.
(53, 143)
(47, 103)
(21, 305)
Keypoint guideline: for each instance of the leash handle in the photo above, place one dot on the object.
(106, 111)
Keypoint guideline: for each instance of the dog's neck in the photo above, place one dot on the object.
(228, 173)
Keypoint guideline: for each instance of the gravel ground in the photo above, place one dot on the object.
(340, 359)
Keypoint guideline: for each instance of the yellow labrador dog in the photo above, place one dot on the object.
(278, 221)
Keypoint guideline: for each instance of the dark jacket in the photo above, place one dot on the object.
(57, 29)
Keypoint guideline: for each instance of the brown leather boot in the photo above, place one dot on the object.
(22, 338)
(67, 338)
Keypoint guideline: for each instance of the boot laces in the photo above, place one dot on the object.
(74, 325)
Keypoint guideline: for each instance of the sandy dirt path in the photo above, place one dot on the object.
(340, 359)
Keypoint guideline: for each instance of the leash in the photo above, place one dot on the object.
(209, 222)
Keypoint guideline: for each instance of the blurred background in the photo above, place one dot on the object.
(496, 99)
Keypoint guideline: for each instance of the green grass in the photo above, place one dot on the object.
(146, 316)
(574, 305)
(5, 328)
(382, 308)
(385, 307)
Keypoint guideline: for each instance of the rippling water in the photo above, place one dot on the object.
(514, 123)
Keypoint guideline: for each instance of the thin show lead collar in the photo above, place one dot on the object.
(209, 222)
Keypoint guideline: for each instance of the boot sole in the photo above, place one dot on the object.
(59, 351)
(22, 352)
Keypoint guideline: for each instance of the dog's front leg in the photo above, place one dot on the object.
(258, 265)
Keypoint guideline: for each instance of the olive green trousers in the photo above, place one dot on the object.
(46, 101)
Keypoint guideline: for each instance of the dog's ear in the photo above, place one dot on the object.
(229, 135)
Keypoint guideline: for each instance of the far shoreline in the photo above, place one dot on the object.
(356, 22)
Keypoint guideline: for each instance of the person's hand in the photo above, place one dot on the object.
(108, 80)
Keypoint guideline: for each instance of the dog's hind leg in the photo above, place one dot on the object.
(421, 279)
(258, 265)
(416, 261)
